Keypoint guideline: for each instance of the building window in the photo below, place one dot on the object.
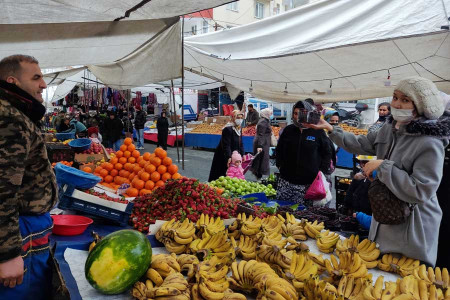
(205, 26)
(233, 6)
(259, 10)
(194, 29)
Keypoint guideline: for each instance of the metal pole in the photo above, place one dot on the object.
(172, 95)
(182, 91)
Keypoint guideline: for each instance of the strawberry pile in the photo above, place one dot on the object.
(180, 199)
(106, 197)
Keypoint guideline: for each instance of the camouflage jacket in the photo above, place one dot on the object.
(27, 182)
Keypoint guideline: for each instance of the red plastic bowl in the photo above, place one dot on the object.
(70, 224)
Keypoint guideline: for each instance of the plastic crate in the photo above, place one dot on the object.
(339, 185)
(68, 202)
(59, 152)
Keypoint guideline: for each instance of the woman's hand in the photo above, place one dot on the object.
(259, 150)
(321, 125)
(371, 166)
(229, 162)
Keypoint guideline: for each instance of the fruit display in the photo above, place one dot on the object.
(403, 265)
(353, 130)
(242, 187)
(143, 173)
(251, 131)
(180, 199)
(106, 197)
(206, 128)
(366, 249)
(66, 163)
(94, 149)
(250, 260)
(118, 261)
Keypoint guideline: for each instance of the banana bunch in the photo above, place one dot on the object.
(296, 246)
(211, 282)
(234, 229)
(217, 245)
(273, 287)
(377, 292)
(315, 289)
(97, 239)
(350, 243)
(438, 277)
(174, 286)
(271, 239)
(176, 236)
(139, 291)
(302, 267)
(294, 229)
(249, 226)
(369, 253)
(352, 288)
(403, 266)
(272, 225)
(313, 229)
(326, 241)
(211, 225)
(273, 256)
(162, 266)
(319, 260)
(245, 274)
(246, 248)
(349, 264)
(187, 264)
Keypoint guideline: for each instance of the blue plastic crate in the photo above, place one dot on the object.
(66, 201)
(258, 197)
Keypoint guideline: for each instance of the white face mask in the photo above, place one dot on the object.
(402, 115)
(238, 122)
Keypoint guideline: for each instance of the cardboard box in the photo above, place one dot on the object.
(89, 158)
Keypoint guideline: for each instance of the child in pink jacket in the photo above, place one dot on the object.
(235, 169)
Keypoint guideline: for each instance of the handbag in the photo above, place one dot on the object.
(386, 207)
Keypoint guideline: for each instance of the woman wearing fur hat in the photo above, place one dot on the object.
(415, 138)
(300, 154)
(261, 143)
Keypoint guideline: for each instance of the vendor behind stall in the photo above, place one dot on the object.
(27, 183)
(252, 116)
(76, 127)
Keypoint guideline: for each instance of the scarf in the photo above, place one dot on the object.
(23, 101)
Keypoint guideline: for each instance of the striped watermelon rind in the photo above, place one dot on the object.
(118, 261)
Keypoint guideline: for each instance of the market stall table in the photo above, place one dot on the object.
(72, 270)
(210, 141)
(150, 135)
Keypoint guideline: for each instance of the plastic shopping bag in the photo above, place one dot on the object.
(317, 189)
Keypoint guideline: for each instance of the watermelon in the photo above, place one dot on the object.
(118, 261)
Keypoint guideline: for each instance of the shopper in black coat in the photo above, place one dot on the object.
(112, 134)
(443, 258)
(162, 124)
(300, 154)
(230, 141)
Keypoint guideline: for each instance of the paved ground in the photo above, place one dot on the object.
(197, 164)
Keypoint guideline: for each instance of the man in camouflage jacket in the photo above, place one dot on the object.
(28, 187)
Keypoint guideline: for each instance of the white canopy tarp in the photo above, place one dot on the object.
(332, 50)
(67, 11)
(142, 48)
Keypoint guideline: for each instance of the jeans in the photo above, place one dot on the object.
(140, 137)
(37, 278)
(116, 145)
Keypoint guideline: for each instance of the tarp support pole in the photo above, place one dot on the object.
(182, 91)
(172, 95)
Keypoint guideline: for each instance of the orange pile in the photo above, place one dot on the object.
(144, 173)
